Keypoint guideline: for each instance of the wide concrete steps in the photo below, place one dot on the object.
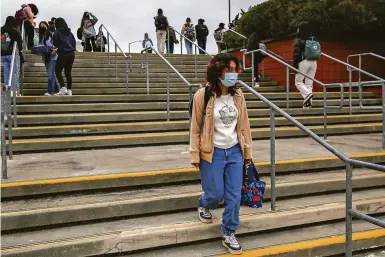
(162, 213)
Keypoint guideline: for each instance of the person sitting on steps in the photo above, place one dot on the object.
(220, 145)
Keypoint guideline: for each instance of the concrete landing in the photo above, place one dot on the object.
(38, 166)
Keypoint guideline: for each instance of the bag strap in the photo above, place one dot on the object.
(206, 100)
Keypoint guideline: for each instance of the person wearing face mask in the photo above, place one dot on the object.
(220, 144)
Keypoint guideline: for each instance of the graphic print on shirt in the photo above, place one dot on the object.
(228, 115)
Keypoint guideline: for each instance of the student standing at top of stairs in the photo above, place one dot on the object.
(220, 143)
(202, 32)
(88, 24)
(27, 14)
(65, 42)
(188, 31)
(161, 24)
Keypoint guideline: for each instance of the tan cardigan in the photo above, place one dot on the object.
(202, 140)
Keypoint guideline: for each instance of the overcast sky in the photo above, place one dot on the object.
(128, 20)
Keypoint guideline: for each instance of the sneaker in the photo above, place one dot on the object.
(307, 105)
(47, 94)
(307, 99)
(231, 243)
(69, 92)
(256, 85)
(63, 91)
(205, 215)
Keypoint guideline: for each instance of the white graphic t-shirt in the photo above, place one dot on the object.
(225, 122)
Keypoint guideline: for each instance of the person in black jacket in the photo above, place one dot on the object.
(308, 67)
(9, 35)
(253, 44)
(161, 25)
(65, 42)
(51, 24)
(202, 32)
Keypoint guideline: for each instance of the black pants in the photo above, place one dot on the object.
(29, 30)
(90, 44)
(202, 44)
(256, 75)
(65, 62)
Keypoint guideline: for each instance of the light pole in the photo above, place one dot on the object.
(229, 11)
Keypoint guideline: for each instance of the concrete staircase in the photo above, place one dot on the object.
(101, 115)
(135, 213)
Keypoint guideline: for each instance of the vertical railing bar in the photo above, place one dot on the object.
(4, 165)
(196, 63)
(383, 116)
(127, 75)
(116, 60)
(168, 96)
(108, 47)
(287, 88)
(325, 115)
(10, 136)
(252, 71)
(349, 206)
(272, 157)
(148, 75)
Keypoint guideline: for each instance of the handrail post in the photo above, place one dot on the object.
(263, 68)
(349, 206)
(3, 141)
(325, 115)
(181, 45)
(126, 75)
(116, 60)
(13, 89)
(383, 116)
(168, 41)
(359, 66)
(148, 75)
(272, 157)
(168, 96)
(252, 70)
(9, 119)
(287, 88)
(196, 75)
(350, 90)
(129, 47)
(108, 47)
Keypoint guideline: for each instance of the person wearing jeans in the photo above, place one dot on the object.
(189, 46)
(6, 61)
(188, 31)
(65, 42)
(220, 145)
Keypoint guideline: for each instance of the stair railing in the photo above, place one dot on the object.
(22, 65)
(350, 164)
(288, 68)
(128, 58)
(196, 46)
(146, 66)
(132, 42)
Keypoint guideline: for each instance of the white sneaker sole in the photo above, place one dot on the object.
(235, 252)
(206, 221)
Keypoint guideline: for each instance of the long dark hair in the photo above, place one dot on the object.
(44, 33)
(60, 23)
(34, 9)
(253, 42)
(216, 68)
(10, 23)
(86, 15)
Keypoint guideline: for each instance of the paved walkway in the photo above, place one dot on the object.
(107, 161)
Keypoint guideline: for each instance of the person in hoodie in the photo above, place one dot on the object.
(45, 38)
(202, 32)
(88, 24)
(9, 35)
(147, 42)
(65, 42)
(308, 67)
(173, 40)
(29, 13)
(218, 36)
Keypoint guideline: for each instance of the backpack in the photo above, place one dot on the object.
(6, 46)
(201, 30)
(218, 35)
(79, 33)
(19, 16)
(161, 22)
(190, 32)
(312, 49)
(206, 101)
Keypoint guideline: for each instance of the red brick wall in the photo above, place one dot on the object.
(328, 71)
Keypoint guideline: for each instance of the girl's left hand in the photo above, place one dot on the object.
(247, 161)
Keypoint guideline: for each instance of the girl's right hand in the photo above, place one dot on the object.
(196, 165)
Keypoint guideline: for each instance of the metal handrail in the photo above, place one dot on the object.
(22, 64)
(288, 68)
(350, 164)
(196, 47)
(127, 57)
(237, 33)
(132, 42)
(13, 91)
(168, 77)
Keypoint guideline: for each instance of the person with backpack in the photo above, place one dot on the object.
(218, 36)
(220, 144)
(88, 24)
(27, 14)
(202, 32)
(173, 40)
(254, 44)
(100, 42)
(305, 55)
(147, 42)
(188, 31)
(161, 25)
(65, 42)
(9, 35)
(49, 60)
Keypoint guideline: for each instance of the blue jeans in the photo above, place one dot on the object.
(222, 179)
(189, 47)
(53, 86)
(6, 60)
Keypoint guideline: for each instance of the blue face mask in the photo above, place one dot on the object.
(230, 79)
